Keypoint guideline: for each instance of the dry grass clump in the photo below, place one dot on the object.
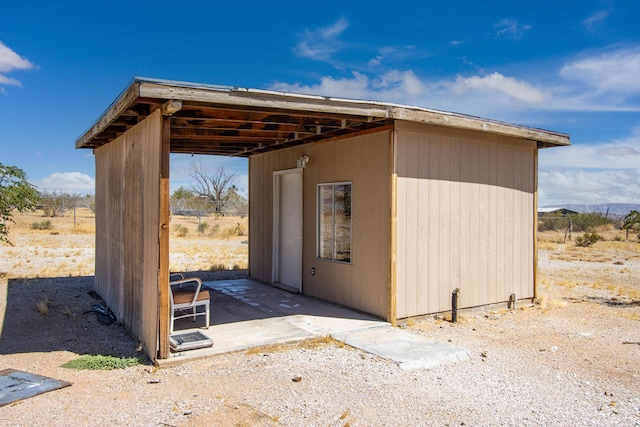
(85, 228)
(212, 226)
(71, 250)
(546, 304)
(608, 232)
(43, 306)
(222, 267)
(547, 245)
(233, 231)
(632, 316)
(309, 344)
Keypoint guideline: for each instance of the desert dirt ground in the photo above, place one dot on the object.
(572, 358)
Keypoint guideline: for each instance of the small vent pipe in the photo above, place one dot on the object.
(454, 305)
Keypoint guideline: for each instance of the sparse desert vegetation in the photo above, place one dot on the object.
(569, 359)
(64, 245)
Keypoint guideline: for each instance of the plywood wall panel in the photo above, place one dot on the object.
(362, 160)
(127, 228)
(474, 207)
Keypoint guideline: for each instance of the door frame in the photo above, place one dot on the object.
(275, 270)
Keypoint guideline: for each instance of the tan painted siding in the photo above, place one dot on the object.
(363, 160)
(127, 218)
(465, 218)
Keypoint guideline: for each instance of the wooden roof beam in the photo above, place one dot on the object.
(171, 107)
(262, 117)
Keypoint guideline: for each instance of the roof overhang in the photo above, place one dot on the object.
(230, 121)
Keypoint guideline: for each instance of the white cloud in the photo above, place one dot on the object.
(334, 30)
(613, 72)
(73, 182)
(4, 80)
(607, 172)
(320, 44)
(383, 53)
(395, 54)
(607, 81)
(511, 28)
(357, 87)
(558, 186)
(10, 61)
(466, 94)
(516, 90)
(400, 86)
(392, 86)
(595, 18)
(609, 156)
(621, 151)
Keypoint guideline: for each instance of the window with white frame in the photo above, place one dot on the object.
(334, 221)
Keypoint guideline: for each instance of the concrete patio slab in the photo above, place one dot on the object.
(247, 314)
(408, 350)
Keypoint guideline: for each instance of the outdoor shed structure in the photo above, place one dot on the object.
(380, 207)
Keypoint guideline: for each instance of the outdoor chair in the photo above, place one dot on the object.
(186, 296)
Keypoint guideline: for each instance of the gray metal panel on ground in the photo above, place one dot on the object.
(18, 385)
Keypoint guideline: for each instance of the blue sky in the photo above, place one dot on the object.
(567, 66)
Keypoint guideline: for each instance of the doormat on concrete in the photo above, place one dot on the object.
(189, 341)
(18, 385)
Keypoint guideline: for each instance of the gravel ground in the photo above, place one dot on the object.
(571, 360)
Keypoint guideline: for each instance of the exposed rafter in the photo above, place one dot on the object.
(242, 122)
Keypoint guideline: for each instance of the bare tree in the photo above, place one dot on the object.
(236, 204)
(212, 187)
(54, 204)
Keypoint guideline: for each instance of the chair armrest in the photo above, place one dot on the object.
(175, 276)
(181, 282)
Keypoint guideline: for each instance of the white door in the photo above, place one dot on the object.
(287, 230)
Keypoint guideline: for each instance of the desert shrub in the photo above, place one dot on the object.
(43, 306)
(589, 221)
(55, 204)
(214, 230)
(618, 238)
(181, 230)
(100, 362)
(588, 239)
(51, 211)
(43, 225)
(552, 223)
(202, 227)
(241, 230)
(236, 230)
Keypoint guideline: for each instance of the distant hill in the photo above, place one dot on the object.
(614, 209)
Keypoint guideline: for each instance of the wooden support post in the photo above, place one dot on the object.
(393, 202)
(163, 239)
(535, 224)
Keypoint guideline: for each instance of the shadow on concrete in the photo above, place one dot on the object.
(244, 314)
(238, 300)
